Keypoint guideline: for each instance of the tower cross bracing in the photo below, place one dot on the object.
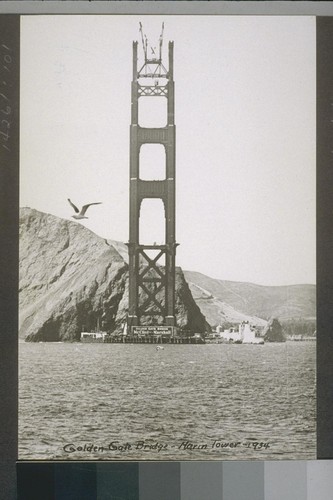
(152, 266)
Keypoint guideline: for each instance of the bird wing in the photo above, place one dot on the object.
(85, 207)
(72, 205)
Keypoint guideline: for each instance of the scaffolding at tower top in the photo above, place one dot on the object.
(152, 66)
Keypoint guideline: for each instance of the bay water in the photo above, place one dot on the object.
(184, 402)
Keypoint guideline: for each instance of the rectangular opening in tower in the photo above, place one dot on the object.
(152, 222)
(153, 112)
(152, 162)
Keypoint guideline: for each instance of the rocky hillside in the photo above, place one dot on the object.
(219, 312)
(70, 279)
(219, 300)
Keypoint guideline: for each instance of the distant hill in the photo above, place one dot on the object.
(219, 299)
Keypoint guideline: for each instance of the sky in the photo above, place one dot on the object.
(245, 103)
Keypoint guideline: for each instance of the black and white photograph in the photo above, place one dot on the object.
(167, 253)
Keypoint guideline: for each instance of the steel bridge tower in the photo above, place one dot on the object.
(152, 267)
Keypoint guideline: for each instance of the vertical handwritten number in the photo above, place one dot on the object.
(6, 109)
(6, 122)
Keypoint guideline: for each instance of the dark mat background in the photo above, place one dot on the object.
(174, 480)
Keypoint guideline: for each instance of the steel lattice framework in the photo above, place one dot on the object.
(152, 267)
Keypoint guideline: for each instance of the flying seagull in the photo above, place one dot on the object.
(81, 215)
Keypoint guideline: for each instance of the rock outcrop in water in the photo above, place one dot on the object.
(273, 331)
(71, 280)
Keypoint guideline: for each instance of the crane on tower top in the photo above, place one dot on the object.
(152, 66)
(144, 41)
(161, 41)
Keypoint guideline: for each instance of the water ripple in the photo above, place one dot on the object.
(104, 393)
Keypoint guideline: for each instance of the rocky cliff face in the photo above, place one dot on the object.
(71, 279)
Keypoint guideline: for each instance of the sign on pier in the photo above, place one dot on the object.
(153, 330)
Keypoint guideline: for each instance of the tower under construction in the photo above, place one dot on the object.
(152, 266)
